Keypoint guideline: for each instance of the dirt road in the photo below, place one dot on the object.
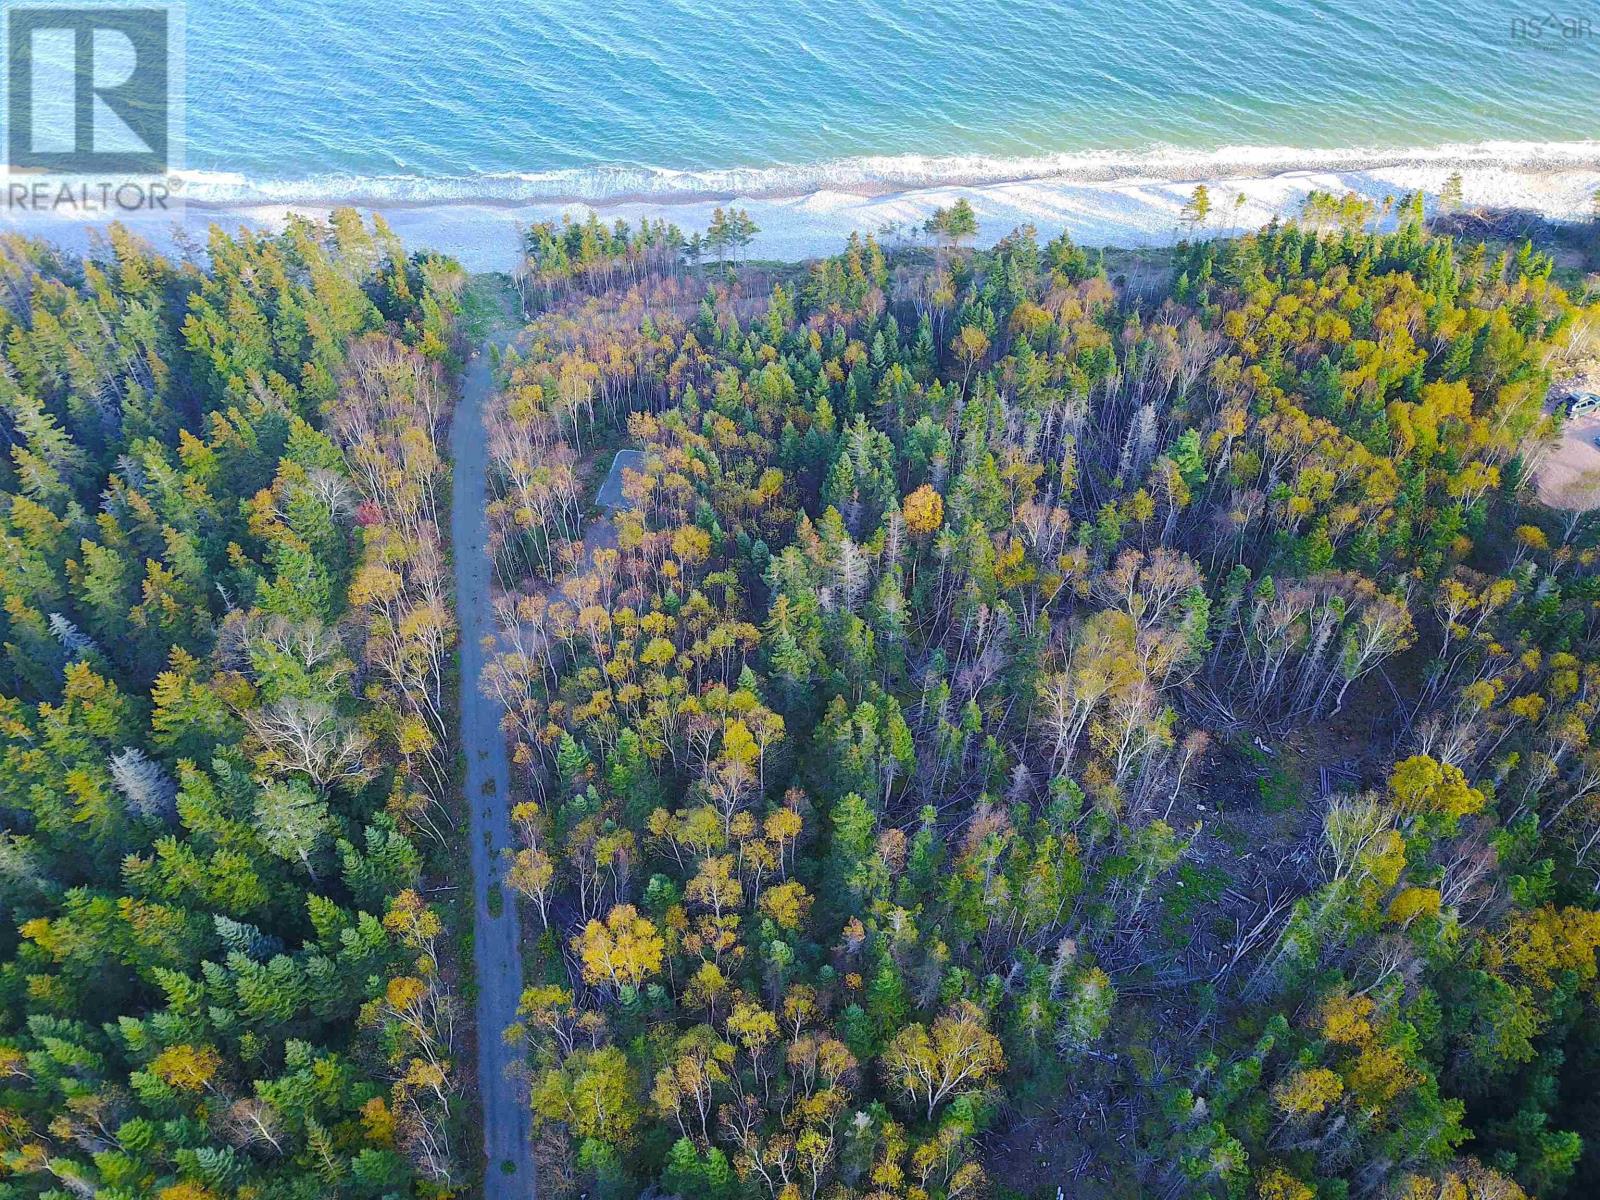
(497, 948)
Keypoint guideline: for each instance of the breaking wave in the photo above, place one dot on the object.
(865, 175)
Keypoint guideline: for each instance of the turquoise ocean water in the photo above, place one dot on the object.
(481, 99)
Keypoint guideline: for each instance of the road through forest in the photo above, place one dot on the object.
(497, 948)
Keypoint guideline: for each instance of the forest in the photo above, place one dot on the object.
(1042, 722)
(225, 761)
(1046, 722)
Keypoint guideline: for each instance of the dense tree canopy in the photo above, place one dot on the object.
(1022, 733)
(224, 769)
(1026, 727)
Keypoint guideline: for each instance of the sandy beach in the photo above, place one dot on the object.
(1127, 210)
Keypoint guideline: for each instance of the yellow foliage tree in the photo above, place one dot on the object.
(787, 904)
(956, 1055)
(923, 510)
(1413, 902)
(1421, 787)
(715, 885)
(1550, 941)
(186, 1191)
(1277, 1184)
(187, 1068)
(1347, 1020)
(1470, 1181)
(593, 1093)
(623, 952)
(1307, 1093)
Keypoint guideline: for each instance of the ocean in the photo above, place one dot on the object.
(478, 100)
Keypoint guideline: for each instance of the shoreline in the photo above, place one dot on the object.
(867, 175)
(1129, 210)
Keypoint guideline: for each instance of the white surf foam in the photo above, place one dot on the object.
(868, 175)
(1144, 209)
